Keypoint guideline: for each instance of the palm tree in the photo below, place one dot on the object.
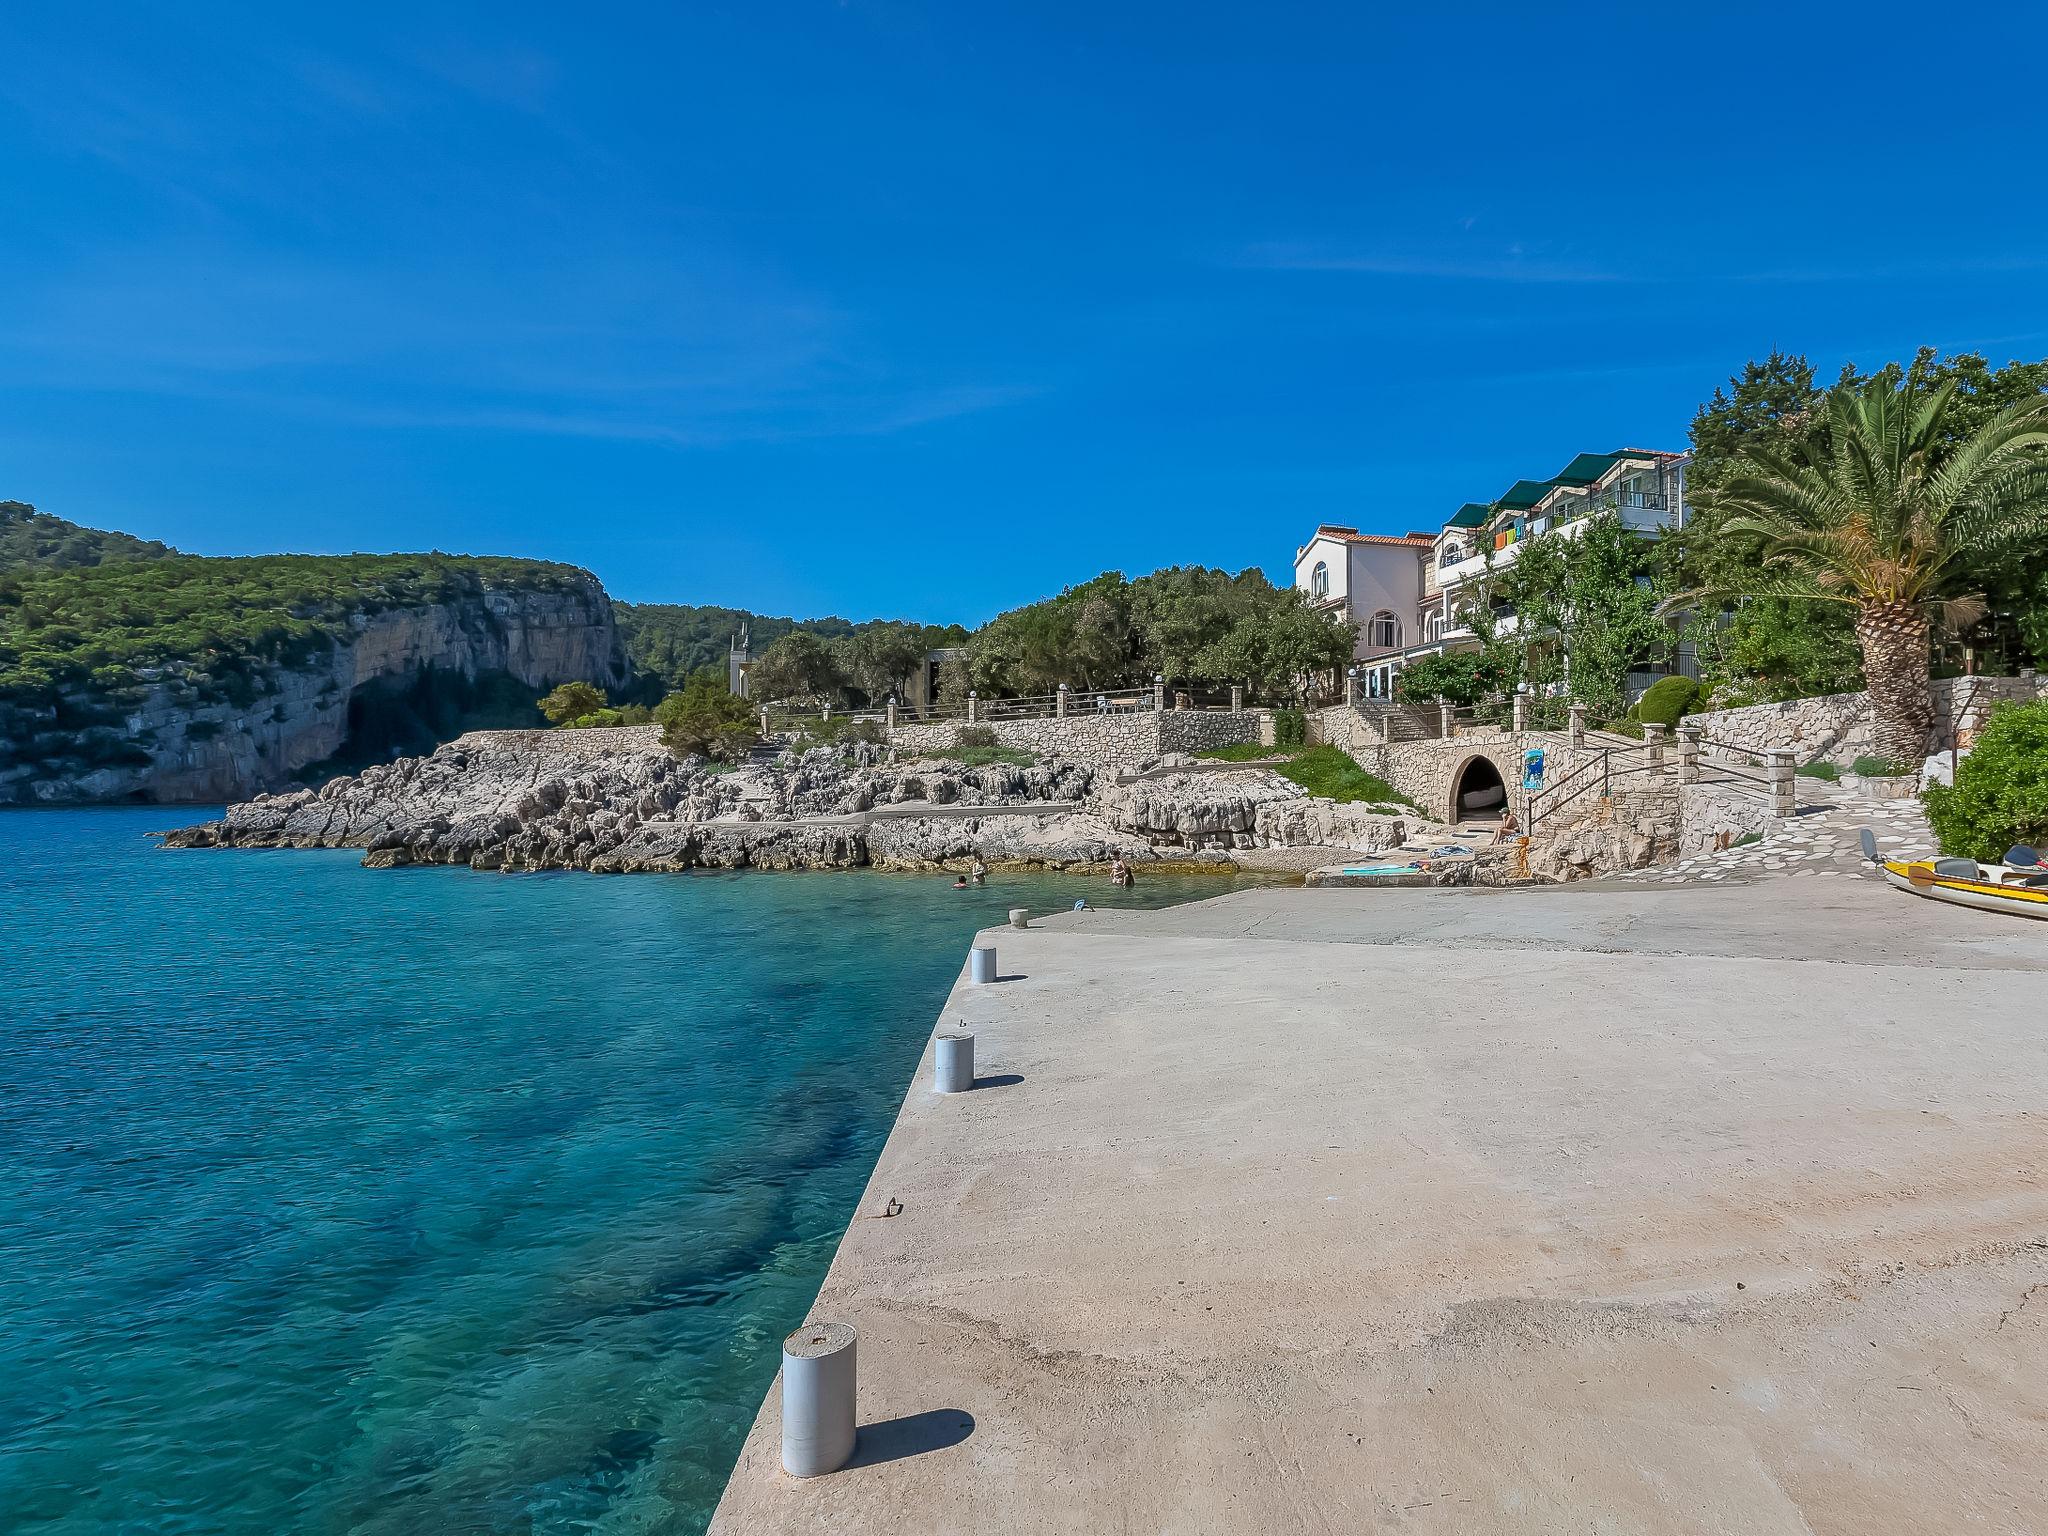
(1882, 510)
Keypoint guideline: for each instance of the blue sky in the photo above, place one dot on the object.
(924, 310)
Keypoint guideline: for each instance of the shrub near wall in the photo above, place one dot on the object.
(2000, 796)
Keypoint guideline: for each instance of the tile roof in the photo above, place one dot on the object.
(1345, 534)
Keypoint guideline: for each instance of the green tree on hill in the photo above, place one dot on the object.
(797, 666)
(1786, 645)
(572, 701)
(1884, 514)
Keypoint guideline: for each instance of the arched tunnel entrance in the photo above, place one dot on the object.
(1477, 792)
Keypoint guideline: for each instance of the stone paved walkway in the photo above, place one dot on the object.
(1821, 840)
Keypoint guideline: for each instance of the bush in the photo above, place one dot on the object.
(1666, 701)
(1819, 770)
(600, 719)
(2000, 796)
(839, 730)
(1461, 678)
(1884, 768)
(706, 721)
(1290, 728)
(1625, 727)
(976, 736)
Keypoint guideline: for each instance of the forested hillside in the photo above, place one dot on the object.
(29, 538)
(216, 619)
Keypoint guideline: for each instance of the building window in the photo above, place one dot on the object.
(1319, 581)
(1385, 632)
(1453, 552)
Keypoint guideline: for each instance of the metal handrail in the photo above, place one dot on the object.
(1581, 779)
(1743, 772)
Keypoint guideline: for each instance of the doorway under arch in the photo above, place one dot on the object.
(1478, 793)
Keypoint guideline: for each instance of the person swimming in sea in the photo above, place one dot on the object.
(1119, 871)
(959, 882)
(980, 872)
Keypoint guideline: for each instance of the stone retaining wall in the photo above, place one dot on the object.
(1835, 727)
(596, 741)
(1116, 740)
(1707, 812)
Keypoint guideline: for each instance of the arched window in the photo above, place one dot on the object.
(1385, 632)
(1453, 552)
(1434, 630)
(1319, 580)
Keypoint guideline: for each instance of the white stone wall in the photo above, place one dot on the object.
(1116, 740)
(1835, 727)
(1706, 812)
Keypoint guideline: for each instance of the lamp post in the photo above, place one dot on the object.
(1158, 692)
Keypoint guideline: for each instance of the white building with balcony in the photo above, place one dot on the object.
(1644, 488)
(1373, 580)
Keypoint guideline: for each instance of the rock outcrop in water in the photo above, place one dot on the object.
(615, 801)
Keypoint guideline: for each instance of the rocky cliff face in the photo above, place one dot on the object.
(185, 748)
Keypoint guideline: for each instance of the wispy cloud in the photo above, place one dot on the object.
(750, 422)
(691, 353)
(1510, 264)
(1896, 271)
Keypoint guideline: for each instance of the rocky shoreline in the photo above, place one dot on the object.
(617, 802)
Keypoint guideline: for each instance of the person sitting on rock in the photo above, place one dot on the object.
(1508, 827)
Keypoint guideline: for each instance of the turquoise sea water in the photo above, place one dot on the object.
(344, 1200)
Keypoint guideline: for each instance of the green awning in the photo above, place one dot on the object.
(1585, 469)
(1523, 495)
(1471, 515)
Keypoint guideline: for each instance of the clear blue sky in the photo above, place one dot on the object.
(927, 309)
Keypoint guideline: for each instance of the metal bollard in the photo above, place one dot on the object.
(817, 1398)
(981, 967)
(1020, 917)
(953, 1062)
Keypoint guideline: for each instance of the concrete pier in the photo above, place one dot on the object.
(1652, 1210)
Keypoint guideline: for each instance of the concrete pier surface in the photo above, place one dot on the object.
(1613, 1209)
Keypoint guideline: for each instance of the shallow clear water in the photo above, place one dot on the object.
(342, 1200)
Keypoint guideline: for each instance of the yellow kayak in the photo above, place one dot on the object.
(1989, 887)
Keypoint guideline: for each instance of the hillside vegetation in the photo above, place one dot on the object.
(35, 540)
(666, 642)
(218, 619)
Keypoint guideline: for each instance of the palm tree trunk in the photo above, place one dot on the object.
(1894, 641)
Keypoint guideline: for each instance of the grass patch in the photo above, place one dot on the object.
(1328, 773)
(981, 757)
(1826, 771)
(1747, 840)
(1881, 768)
